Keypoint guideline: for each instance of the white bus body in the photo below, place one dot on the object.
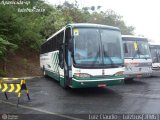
(137, 57)
(83, 55)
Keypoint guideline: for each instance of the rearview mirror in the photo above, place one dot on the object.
(154, 59)
(125, 48)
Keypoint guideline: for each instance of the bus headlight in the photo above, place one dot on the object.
(120, 73)
(83, 75)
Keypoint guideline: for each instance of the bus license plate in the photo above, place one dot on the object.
(139, 76)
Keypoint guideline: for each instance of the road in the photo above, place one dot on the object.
(47, 97)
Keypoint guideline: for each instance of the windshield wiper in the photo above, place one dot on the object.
(97, 56)
(136, 53)
(146, 58)
(106, 54)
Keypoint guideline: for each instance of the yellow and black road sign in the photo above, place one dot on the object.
(10, 87)
(15, 85)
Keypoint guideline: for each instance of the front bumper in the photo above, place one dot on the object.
(82, 83)
(137, 75)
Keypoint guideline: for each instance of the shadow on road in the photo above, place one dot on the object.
(82, 92)
(91, 91)
(135, 82)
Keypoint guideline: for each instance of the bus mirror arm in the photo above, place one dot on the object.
(70, 45)
(154, 59)
(61, 64)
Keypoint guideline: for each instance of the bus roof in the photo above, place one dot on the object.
(90, 25)
(133, 37)
(154, 43)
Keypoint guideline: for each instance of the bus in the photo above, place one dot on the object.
(155, 53)
(84, 55)
(137, 57)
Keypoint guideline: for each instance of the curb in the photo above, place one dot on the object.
(30, 77)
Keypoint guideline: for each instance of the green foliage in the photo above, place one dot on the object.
(6, 47)
(109, 17)
(2, 73)
(30, 29)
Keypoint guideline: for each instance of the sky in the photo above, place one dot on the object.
(144, 15)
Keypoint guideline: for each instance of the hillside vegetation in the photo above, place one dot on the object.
(22, 32)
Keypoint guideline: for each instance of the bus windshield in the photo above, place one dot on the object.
(136, 49)
(155, 53)
(93, 46)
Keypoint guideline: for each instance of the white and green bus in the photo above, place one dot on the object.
(138, 61)
(84, 55)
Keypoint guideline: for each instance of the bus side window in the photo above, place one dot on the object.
(61, 51)
(125, 48)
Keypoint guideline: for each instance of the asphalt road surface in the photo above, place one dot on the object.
(48, 98)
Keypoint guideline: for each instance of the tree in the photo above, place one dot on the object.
(5, 48)
(31, 29)
(109, 17)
